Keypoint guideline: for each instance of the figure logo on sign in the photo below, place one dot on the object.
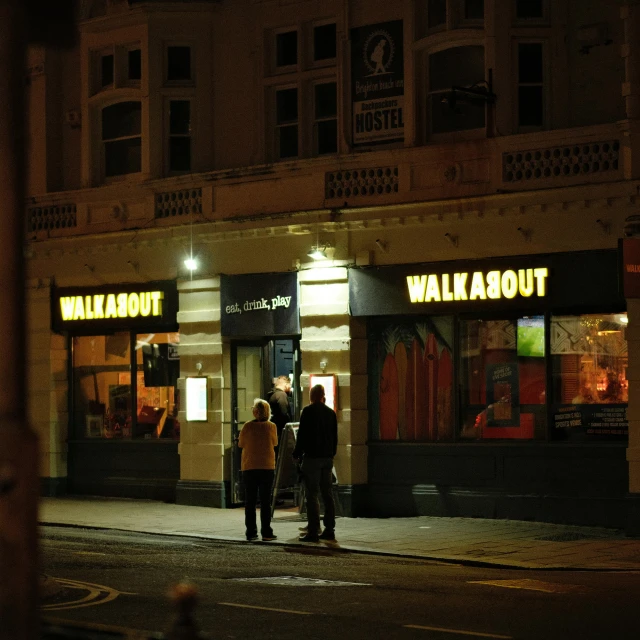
(380, 56)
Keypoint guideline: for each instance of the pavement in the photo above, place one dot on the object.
(471, 541)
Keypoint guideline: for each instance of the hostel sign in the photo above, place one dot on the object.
(377, 83)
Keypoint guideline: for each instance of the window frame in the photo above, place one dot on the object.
(167, 100)
(103, 142)
(545, 84)
(317, 120)
(542, 21)
(289, 123)
(179, 82)
(276, 69)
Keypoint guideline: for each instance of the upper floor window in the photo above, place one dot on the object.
(448, 110)
(121, 138)
(115, 67)
(530, 85)
(179, 136)
(179, 64)
(301, 91)
(529, 9)
(449, 14)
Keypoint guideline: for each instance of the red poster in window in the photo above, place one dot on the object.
(631, 267)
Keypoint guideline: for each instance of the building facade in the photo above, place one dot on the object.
(465, 170)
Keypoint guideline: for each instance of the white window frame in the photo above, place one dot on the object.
(103, 164)
(190, 82)
(545, 84)
(167, 100)
(316, 120)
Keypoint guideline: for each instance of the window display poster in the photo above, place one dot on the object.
(377, 83)
(590, 421)
(503, 391)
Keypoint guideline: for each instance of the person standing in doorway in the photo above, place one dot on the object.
(279, 402)
(316, 446)
(258, 439)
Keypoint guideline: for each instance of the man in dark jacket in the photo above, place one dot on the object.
(279, 402)
(316, 446)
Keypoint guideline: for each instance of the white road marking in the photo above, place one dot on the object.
(458, 631)
(97, 594)
(249, 606)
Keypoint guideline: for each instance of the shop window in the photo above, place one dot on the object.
(287, 123)
(121, 138)
(449, 112)
(530, 85)
(324, 42)
(411, 380)
(503, 379)
(178, 63)
(590, 386)
(179, 135)
(103, 395)
(326, 123)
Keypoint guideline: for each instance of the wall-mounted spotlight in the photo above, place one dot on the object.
(191, 263)
(452, 239)
(526, 233)
(382, 245)
(605, 225)
(318, 252)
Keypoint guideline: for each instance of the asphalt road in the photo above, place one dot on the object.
(264, 590)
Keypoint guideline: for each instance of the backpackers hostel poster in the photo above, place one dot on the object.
(377, 83)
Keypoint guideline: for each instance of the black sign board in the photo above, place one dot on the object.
(259, 304)
(564, 281)
(377, 83)
(117, 307)
(590, 421)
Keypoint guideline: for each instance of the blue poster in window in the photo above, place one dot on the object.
(503, 395)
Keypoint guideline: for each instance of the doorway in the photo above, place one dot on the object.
(254, 367)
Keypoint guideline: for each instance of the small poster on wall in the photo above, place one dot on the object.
(328, 381)
(503, 391)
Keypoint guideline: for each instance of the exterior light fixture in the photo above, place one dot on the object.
(318, 252)
(191, 263)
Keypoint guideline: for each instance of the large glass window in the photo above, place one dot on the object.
(121, 137)
(503, 378)
(411, 380)
(590, 387)
(103, 394)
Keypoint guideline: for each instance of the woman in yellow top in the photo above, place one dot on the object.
(257, 440)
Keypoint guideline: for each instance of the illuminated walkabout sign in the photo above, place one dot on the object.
(115, 307)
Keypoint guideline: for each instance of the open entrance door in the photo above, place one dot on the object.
(254, 366)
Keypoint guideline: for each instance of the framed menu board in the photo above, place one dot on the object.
(329, 382)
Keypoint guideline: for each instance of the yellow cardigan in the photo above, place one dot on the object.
(257, 440)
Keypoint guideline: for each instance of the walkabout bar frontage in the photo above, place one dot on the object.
(123, 399)
(497, 387)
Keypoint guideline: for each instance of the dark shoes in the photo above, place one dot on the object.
(328, 534)
(269, 538)
(252, 538)
(309, 537)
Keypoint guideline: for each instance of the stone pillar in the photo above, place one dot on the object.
(630, 52)
(204, 446)
(326, 337)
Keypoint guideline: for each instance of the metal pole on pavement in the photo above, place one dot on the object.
(18, 447)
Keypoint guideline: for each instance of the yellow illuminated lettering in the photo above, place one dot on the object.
(98, 306)
(460, 286)
(433, 289)
(447, 294)
(541, 274)
(156, 302)
(66, 307)
(111, 311)
(145, 304)
(417, 286)
(509, 284)
(493, 285)
(87, 308)
(133, 305)
(477, 286)
(78, 311)
(525, 282)
(121, 301)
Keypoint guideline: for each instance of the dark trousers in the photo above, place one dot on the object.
(316, 473)
(257, 481)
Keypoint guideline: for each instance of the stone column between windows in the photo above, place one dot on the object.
(203, 445)
(630, 52)
(327, 336)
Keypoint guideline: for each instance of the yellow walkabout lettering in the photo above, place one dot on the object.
(115, 305)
